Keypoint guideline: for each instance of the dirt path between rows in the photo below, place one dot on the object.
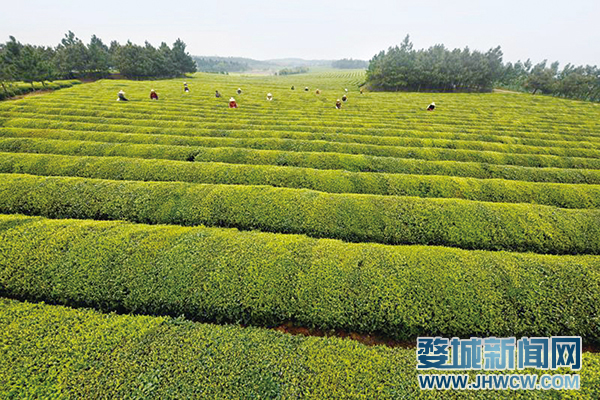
(373, 340)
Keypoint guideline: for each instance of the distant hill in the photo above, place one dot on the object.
(299, 62)
(242, 64)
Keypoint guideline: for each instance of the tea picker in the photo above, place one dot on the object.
(121, 96)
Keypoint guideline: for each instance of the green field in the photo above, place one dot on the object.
(208, 226)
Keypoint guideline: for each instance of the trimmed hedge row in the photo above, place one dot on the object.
(331, 181)
(526, 117)
(327, 161)
(470, 142)
(350, 217)
(426, 149)
(20, 88)
(53, 351)
(85, 148)
(223, 275)
(207, 113)
(423, 129)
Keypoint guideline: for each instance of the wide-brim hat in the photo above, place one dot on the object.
(232, 99)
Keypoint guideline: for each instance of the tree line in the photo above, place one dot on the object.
(293, 71)
(434, 69)
(574, 82)
(220, 66)
(72, 59)
(349, 63)
(401, 68)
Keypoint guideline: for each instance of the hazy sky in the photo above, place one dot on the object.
(566, 31)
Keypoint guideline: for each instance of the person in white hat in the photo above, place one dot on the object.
(121, 96)
(239, 91)
(232, 103)
(338, 104)
(269, 96)
(185, 87)
(431, 106)
(153, 95)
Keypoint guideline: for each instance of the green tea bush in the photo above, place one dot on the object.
(519, 142)
(53, 351)
(329, 161)
(29, 116)
(350, 217)
(331, 181)
(223, 275)
(422, 153)
(19, 88)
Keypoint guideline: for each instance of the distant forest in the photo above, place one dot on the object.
(438, 69)
(293, 71)
(72, 58)
(349, 63)
(220, 65)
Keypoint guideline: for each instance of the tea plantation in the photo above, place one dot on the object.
(148, 248)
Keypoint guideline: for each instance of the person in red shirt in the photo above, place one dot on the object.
(232, 103)
(338, 104)
(153, 95)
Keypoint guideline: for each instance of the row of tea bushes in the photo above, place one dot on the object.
(327, 161)
(350, 217)
(332, 181)
(52, 116)
(418, 153)
(20, 88)
(224, 275)
(477, 139)
(564, 157)
(52, 351)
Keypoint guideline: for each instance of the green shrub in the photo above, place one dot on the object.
(28, 125)
(331, 181)
(223, 275)
(20, 88)
(52, 351)
(350, 217)
(420, 153)
(330, 161)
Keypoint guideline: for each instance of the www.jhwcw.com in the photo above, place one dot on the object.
(499, 382)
